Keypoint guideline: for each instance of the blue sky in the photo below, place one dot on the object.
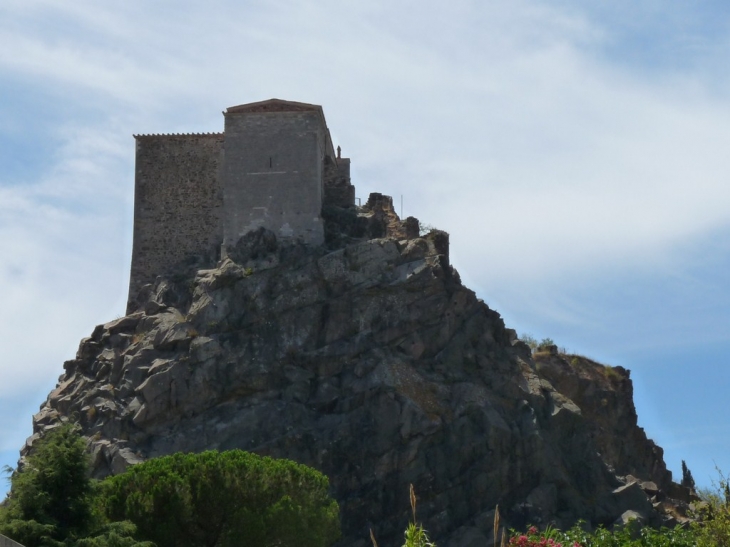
(576, 152)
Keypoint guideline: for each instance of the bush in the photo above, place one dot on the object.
(627, 536)
(535, 346)
(529, 340)
(713, 525)
(545, 344)
(224, 499)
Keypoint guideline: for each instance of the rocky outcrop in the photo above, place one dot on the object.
(375, 365)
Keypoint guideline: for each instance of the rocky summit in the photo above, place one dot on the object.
(368, 360)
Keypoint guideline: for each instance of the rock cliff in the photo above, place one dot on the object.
(370, 361)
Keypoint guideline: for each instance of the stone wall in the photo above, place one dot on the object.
(177, 203)
(338, 190)
(274, 167)
(383, 221)
(7, 542)
(272, 174)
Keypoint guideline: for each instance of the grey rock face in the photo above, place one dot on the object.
(373, 364)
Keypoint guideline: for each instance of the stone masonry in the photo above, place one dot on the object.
(274, 166)
(177, 203)
(7, 542)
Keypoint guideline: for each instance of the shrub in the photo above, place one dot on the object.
(611, 373)
(533, 538)
(713, 525)
(542, 345)
(529, 340)
(425, 229)
(545, 343)
(627, 536)
(224, 499)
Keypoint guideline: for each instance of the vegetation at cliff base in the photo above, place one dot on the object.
(631, 535)
(237, 498)
(710, 529)
(51, 501)
(185, 500)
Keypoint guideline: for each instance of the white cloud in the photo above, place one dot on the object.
(498, 122)
(64, 249)
(553, 162)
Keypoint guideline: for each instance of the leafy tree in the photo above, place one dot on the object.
(49, 498)
(114, 534)
(224, 499)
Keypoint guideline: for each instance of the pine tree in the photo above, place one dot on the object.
(224, 499)
(687, 479)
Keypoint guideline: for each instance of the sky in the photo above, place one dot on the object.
(575, 151)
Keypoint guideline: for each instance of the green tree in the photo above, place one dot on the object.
(49, 498)
(224, 499)
(114, 534)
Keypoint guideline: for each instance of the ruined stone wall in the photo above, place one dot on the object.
(272, 174)
(177, 203)
(383, 221)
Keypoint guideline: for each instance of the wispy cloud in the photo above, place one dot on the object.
(564, 162)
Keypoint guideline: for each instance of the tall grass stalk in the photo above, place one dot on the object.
(416, 536)
(496, 528)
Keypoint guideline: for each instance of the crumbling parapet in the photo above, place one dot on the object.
(385, 222)
(412, 227)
